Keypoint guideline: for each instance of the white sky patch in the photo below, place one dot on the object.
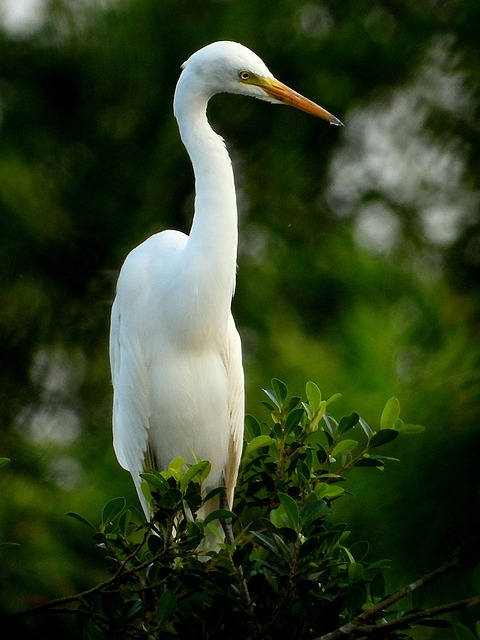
(389, 153)
(54, 418)
(377, 228)
(22, 17)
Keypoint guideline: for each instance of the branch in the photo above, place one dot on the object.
(358, 624)
(78, 597)
(412, 618)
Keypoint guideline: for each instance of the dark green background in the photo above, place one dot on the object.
(359, 254)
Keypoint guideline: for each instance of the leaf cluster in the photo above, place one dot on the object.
(284, 568)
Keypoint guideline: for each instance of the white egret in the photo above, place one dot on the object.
(175, 351)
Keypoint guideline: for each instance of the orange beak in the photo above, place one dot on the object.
(284, 94)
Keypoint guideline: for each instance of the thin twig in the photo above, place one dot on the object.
(358, 624)
(412, 618)
(58, 602)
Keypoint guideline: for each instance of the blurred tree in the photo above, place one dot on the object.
(358, 260)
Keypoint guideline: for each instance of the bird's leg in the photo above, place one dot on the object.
(227, 522)
(230, 539)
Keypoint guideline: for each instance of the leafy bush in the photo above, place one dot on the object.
(284, 569)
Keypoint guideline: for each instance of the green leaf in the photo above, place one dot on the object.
(265, 541)
(292, 403)
(291, 509)
(439, 623)
(257, 443)
(359, 549)
(277, 517)
(314, 396)
(355, 571)
(166, 606)
(411, 428)
(175, 468)
(313, 511)
(198, 472)
(383, 458)
(303, 469)
(382, 437)
(157, 480)
(252, 426)
(218, 514)
(462, 632)
(344, 445)
(369, 462)
(189, 517)
(377, 586)
(287, 553)
(347, 423)
(293, 419)
(331, 424)
(4, 462)
(335, 396)
(366, 428)
(273, 397)
(213, 492)
(112, 509)
(81, 519)
(280, 389)
(324, 490)
(390, 414)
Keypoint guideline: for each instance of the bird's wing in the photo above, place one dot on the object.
(236, 395)
(130, 401)
(129, 354)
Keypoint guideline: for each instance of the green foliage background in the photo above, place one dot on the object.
(359, 253)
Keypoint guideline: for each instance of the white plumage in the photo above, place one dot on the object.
(174, 348)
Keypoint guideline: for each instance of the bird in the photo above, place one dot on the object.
(175, 351)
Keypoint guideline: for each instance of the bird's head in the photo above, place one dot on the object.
(229, 67)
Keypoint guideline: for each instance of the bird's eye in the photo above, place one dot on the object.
(244, 75)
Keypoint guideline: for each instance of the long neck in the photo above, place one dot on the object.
(211, 251)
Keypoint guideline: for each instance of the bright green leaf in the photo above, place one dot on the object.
(412, 428)
(314, 396)
(335, 396)
(195, 472)
(257, 443)
(344, 445)
(175, 468)
(355, 570)
(390, 414)
(324, 490)
(4, 462)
